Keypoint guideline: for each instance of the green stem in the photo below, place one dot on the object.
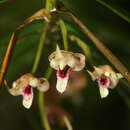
(44, 119)
(64, 34)
(41, 103)
(48, 73)
(50, 4)
(40, 47)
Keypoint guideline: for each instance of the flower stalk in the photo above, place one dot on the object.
(44, 119)
(40, 48)
(49, 6)
(64, 34)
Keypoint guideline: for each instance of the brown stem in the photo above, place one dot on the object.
(38, 15)
(100, 45)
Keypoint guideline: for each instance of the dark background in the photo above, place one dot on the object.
(112, 112)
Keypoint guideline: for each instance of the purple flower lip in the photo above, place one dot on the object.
(106, 77)
(28, 89)
(104, 81)
(24, 86)
(64, 62)
(63, 73)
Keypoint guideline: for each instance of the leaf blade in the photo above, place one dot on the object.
(117, 10)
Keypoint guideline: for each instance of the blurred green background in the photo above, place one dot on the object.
(112, 112)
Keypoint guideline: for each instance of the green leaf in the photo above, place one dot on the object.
(2, 1)
(117, 8)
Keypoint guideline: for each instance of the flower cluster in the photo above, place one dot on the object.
(64, 62)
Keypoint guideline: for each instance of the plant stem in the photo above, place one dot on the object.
(50, 4)
(44, 119)
(40, 47)
(48, 73)
(41, 103)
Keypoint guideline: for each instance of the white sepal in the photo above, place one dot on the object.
(119, 75)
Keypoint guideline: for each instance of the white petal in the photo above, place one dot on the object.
(103, 92)
(61, 84)
(27, 103)
(27, 99)
(33, 82)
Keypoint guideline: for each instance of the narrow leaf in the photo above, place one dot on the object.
(116, 8)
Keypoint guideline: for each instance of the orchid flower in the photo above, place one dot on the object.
(106, 78)
(64, 62)
(24, 86)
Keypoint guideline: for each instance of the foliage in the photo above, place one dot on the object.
(93, 113)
